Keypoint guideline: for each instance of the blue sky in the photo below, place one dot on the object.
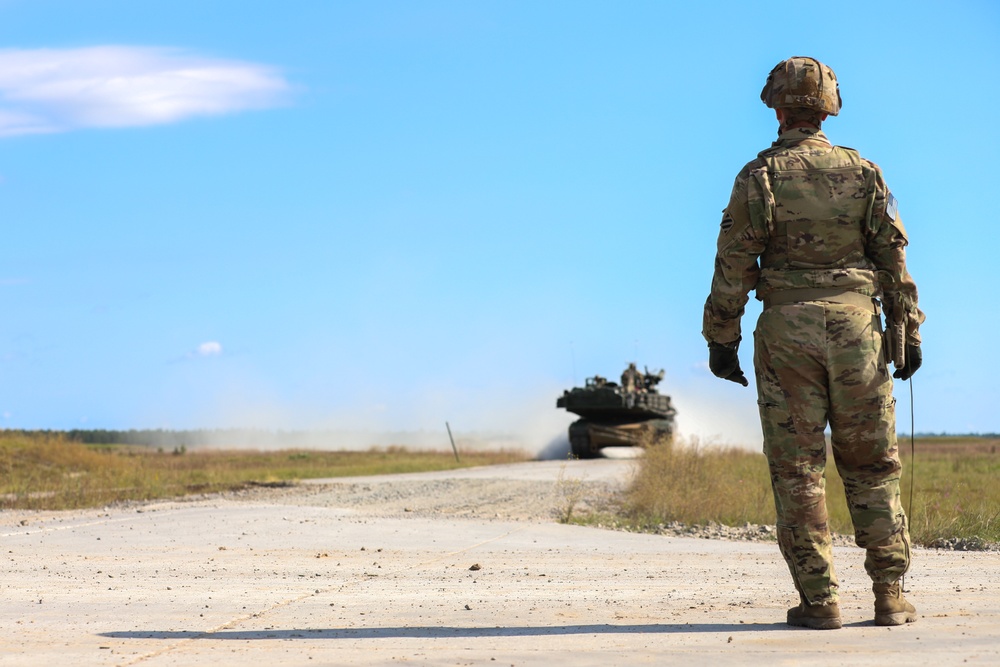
(379, 216)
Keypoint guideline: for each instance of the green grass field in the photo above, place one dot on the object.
(49, 472)
(955, 489)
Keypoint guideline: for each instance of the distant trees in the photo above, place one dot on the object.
(181, 439)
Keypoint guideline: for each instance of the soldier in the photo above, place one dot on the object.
(632, 379)
(814, 230)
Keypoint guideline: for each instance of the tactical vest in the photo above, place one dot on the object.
(816, 206)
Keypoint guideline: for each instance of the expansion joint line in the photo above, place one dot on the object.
(468, 548)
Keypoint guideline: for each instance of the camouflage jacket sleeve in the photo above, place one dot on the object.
(886, 247)
(736, 267)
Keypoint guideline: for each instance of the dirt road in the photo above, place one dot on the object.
(462, 568)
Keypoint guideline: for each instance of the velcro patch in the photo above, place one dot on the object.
(890, 207)
(727, 222)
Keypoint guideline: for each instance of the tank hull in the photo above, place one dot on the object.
(587, 438)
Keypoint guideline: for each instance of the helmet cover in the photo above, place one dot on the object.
(802, 82)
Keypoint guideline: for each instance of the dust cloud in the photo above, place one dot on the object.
(493, 419)
(510, 418)
(717, 417)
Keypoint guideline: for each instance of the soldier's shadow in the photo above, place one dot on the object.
(444, 632)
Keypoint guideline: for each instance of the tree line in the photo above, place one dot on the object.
(168, 438)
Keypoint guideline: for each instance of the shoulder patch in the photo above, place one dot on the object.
(891, 206)
(727, 221)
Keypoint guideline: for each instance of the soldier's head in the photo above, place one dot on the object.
(802, 90)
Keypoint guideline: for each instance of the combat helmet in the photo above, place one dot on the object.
(802, 82)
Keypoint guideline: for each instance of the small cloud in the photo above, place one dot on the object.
(209, 349)
(57, 90)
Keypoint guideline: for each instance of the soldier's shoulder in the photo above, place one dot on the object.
(865, 161)
(770, 151)
(871, 165)
(753, 165)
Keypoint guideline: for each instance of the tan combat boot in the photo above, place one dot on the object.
(891, 608)
(816, 617)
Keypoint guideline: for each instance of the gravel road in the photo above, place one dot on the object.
(489, 499)
(558, 490)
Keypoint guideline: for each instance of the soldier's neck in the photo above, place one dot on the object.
(793, 126)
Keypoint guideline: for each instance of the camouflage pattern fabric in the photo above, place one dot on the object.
(631, 379)
(822, 362)
(858, 242)
(802, 82)
(809, 215)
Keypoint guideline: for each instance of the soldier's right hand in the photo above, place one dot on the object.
(913, 360)
(724, 362)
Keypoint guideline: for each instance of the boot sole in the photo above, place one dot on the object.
(900, 618)
(816, 623)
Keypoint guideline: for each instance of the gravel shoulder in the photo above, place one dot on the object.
(555, 491)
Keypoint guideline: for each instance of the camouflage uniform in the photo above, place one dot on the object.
(815, 231)
(632, 380)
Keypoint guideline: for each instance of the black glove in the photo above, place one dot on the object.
(914, 357)
(724, 362)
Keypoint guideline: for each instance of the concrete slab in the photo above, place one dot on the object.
(225, 582)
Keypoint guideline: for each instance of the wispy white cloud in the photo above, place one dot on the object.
(209, 349)
(56, 90)
(206, 350)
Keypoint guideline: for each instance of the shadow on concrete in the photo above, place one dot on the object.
(444, 632)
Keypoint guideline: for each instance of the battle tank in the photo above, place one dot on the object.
(630, 414)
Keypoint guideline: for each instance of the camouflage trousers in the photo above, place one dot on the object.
(817, 364)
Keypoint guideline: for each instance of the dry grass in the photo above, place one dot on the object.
(956, 494)
(699, 485)
(48, 472)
